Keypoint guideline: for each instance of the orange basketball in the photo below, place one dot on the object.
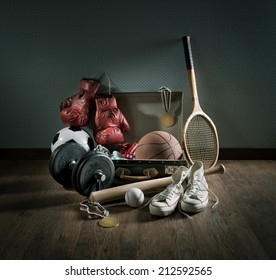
(158, 145)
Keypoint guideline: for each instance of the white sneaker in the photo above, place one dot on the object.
(165, 203)
(195, 197)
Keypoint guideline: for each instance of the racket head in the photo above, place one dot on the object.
(200, 140)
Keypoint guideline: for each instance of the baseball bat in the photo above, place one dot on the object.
(116, 193)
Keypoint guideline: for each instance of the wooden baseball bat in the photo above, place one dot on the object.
(116, 193)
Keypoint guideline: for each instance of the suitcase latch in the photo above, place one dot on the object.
(170, 169)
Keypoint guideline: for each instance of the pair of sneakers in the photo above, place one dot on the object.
(189, 191)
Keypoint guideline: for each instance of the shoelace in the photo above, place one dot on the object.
(195, 188)
(193, 192)
(167, 193)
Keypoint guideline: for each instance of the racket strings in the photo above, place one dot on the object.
(201, 141)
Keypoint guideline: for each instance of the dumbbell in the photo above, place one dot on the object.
(71, 165)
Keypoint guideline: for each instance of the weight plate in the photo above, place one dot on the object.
(95, 172)
(76, 171)
(62, 158)
(99, 149)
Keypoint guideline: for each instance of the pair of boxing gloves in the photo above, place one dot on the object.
(110, 123)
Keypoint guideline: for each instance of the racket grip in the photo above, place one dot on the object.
(188, 52)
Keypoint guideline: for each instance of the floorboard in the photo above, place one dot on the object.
(41, 220)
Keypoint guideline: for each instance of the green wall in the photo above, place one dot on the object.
(46, 47)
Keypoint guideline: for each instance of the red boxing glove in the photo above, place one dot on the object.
(75, 110)
(110, 123)
(127, 150)
(89, 85)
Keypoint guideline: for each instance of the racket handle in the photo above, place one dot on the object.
(188, 52)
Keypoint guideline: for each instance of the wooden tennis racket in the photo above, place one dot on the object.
(200, 138)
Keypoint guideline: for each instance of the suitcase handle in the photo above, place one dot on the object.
(124, 173)
(135, 178)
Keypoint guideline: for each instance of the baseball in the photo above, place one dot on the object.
(134, 197)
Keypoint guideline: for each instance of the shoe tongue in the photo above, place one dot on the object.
(197, 172)
(197, 176)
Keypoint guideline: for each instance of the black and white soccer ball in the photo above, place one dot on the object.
(73, 134)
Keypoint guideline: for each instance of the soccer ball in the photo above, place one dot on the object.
(73, 134)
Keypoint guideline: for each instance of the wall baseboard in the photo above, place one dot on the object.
(225, 154)
(25, 154)
(247, 154)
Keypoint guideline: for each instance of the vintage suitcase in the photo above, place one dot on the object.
(143, 111)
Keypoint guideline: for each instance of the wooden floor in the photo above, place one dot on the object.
(41, 220)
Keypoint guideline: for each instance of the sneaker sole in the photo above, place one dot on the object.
(191, 208)
(156, 211)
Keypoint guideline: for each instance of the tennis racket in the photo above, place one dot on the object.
(200, 138)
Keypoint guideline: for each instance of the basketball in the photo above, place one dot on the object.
(158, 145)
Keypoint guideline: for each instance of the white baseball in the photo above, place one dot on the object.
(134, 197)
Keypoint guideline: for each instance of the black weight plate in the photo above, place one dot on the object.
(93, 164)
(76, 171)
(52, 163)
(88, 157)
(59, 163)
